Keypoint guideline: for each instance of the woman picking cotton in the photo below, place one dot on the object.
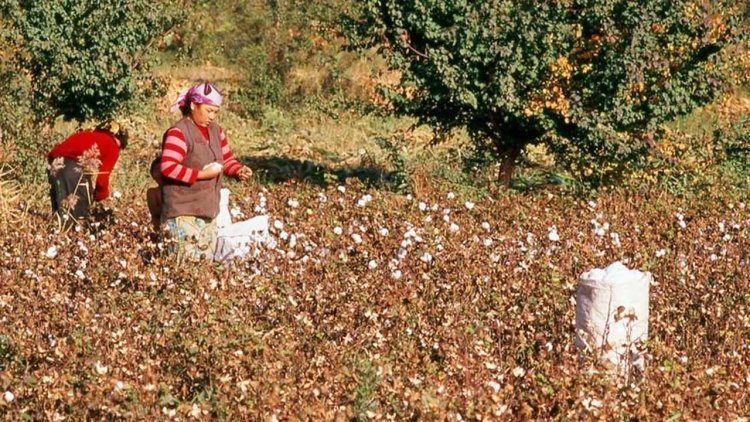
(80, 167)
(195, 154)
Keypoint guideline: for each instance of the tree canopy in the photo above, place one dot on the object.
(84, 57)
(591, 79)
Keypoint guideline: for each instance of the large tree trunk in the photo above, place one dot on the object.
(508, 157)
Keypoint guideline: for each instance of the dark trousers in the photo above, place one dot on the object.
(71, 191)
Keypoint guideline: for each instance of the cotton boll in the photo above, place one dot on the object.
(372, 264)
(553, 235)
(338, 230)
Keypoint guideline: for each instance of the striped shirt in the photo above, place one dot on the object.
(174, 149)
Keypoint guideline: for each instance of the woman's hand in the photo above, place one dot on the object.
(244, 173)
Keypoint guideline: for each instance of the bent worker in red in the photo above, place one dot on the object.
(83, 157)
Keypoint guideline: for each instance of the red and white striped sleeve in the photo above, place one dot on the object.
(173, 152)
(231, 165)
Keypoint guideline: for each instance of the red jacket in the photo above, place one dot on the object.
(78, 143)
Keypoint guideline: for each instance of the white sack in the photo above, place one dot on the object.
(612, 314)
(224, 218)
(237, 240)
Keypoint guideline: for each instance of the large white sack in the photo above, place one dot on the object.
(224, 218)
(237, 240)
(612, 315)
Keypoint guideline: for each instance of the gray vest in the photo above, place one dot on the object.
(200, 199)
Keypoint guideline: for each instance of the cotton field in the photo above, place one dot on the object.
(375, 306)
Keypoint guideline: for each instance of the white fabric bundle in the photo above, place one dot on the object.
(612, 315)
(237, 240)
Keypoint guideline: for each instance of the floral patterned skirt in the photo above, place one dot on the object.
(195, 237)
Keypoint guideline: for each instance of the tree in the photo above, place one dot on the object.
(591, 79)
(84, 58)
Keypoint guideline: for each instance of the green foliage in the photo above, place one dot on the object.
(592, 79)
(286, 52)
(399, 179)
(86, 58)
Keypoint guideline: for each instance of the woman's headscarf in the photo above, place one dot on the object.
(204, 93)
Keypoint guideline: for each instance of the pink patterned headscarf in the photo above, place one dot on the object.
(204, 93)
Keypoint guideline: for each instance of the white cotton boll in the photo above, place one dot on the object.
(364, 200)
(117, 194)
(428, 219)
(278, 225)
(518, 372)
(284, 235)
(406, 243)
(383, 231)
(486, 226)
(426, 258)
(410, 233)
(451, 195)
(409, 197)
(553, 235)
(322, 198)
(615, 239)
(51, 252)
(100, 368)
(341, 189)
(454, 227)
(487, 242)
(660, 253)
(401, 254)
(592, 204)
(357, 238)
(292, 241)
(8, 396)
(372, 264)
(293, 203)
(713, 257)
(682, 224)
(721, 226)
(396, 274)
(338, 230)
(80, 274)
(469, 205)
(422, 206)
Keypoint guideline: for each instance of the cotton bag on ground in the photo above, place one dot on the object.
(237, 240)
(612, 315)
